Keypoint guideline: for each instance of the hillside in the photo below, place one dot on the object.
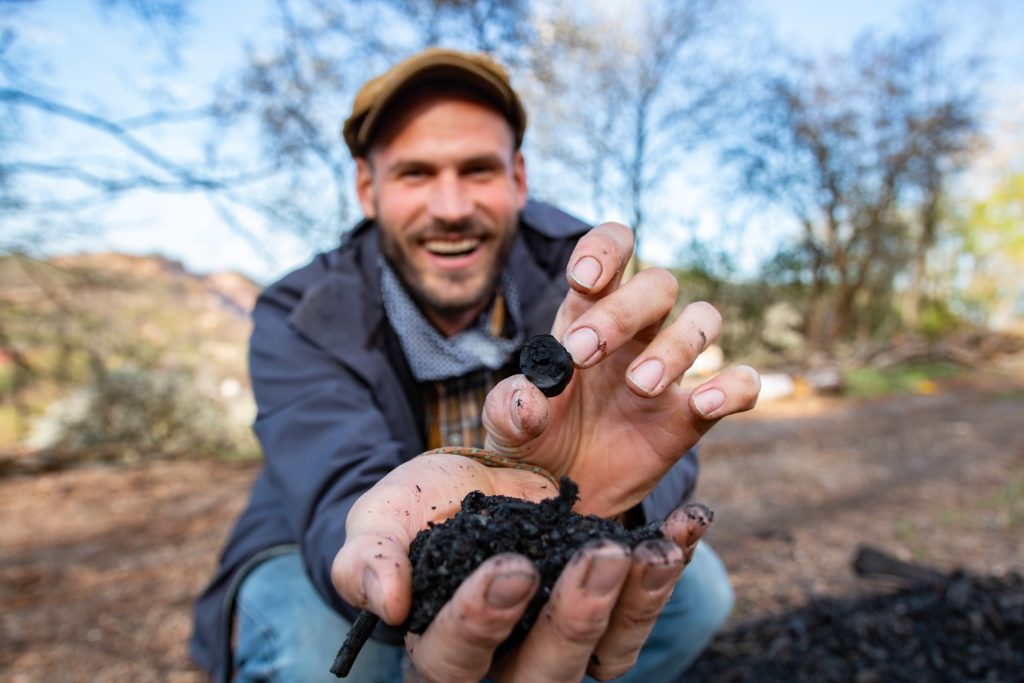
(73, 322)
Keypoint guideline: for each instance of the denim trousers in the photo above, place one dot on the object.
(286, 633)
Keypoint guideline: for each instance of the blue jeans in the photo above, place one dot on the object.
(286, 632)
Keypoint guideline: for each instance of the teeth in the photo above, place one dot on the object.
(453, 247)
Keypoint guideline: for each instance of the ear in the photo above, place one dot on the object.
(519, 178)
(365, 190)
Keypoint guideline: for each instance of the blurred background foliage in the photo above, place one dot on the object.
(881, 260)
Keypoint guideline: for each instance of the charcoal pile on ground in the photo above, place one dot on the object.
(972, 629)
(548, 533)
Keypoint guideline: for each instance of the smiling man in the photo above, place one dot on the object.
(404, 341)
(445, 182)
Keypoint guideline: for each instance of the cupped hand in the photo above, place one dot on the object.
(624, 420)
(598, 616)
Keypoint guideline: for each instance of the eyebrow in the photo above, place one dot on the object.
(487, 159)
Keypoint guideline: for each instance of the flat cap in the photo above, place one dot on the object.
(475, 70)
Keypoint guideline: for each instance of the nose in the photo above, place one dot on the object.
(449, 201)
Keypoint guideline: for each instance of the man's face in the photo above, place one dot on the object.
(445, 186)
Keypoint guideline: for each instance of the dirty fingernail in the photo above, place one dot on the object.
(586, 272)
(708, 401)
(647, 375)
(374, 594)
(509, 589)
(582, 345)
(657, 577)
(606, 571)
(699, 513)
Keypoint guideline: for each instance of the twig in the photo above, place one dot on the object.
(354, 641)
(874, 562)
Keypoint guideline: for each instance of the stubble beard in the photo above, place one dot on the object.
(443, 306)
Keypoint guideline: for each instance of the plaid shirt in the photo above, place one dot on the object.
(454, 407)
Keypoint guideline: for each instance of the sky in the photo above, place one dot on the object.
(99, 60)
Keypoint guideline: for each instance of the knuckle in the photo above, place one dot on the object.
(663, 282)
(581, 629)
(483, 634)
(434, 671)
(620, 232)
(702, 310)
(642, 616)
(619, 321)
(607, 671)
(750, 381)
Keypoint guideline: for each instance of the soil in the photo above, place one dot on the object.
(548, 533)
(99, 567)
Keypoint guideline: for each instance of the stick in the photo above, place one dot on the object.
(354, 641)
(874, 562)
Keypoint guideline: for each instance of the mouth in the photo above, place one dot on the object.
(451, 248)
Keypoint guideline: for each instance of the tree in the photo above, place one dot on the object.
(52, 192)
(626, 93)
(993, 241)
(292, 97)
(859, 148)
(48, 194)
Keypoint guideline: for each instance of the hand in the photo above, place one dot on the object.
(600, 611)
(624, 420)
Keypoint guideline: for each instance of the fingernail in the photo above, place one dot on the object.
(658, 576)
(586, 272)
(374, 594)
(509, 589)
(647, 375)
(708, 401)
(582, 345)
(699, 513)
(605, 573)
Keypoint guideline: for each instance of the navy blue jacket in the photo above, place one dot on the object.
(338, 408)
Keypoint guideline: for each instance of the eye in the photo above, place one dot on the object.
(480, 170)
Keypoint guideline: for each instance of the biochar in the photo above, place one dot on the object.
(444, 555)
(548, 533)
(546, 364)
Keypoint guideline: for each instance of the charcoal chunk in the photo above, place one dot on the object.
(547, 364)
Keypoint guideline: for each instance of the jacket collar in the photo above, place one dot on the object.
(343, 311)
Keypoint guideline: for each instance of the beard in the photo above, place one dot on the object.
(450, 294)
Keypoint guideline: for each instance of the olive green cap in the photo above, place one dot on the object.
(475, 70)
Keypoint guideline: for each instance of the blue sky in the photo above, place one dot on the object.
(100, 61)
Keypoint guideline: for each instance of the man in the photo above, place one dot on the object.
(405, 339)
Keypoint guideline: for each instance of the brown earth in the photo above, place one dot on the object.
(98, 567)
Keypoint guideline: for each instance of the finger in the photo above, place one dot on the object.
(642, 303)
(558, 647)
(459, 644)
(686, 525)
(733, 391)
(515, 412)
(674, 349)
(595, 268)
(657, 565)
(372, 572)
(599, 258)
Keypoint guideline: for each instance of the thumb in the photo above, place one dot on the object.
(515, 413)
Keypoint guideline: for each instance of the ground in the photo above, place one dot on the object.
(99, 566)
